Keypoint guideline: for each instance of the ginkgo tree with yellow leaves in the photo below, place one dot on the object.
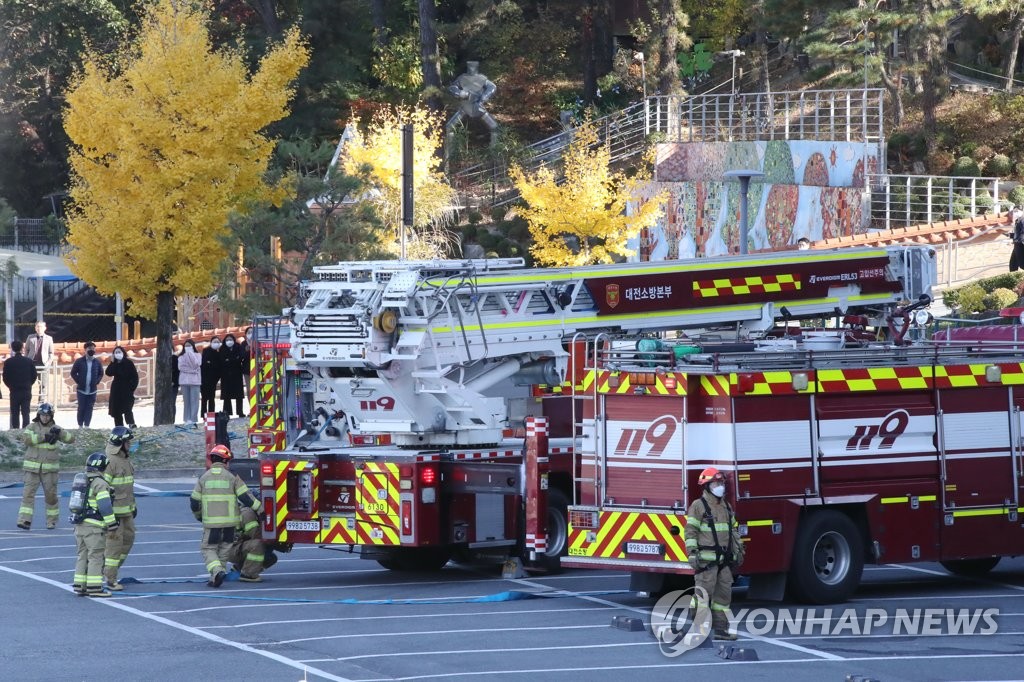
(167, 140)
(581, 217)
(376, 152)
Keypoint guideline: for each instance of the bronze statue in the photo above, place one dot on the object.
(474, 89)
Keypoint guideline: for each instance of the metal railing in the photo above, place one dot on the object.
(905, 200)
(840, 115)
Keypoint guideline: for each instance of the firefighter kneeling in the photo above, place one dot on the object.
(249, 555)
(715, 548)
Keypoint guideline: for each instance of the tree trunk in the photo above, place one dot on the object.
(589, 58)
(1011, 58)
(892, 85)
(163, 402)
(934, 64)
(267, 9)
(378, 10)
(429, 56)
(668, 67)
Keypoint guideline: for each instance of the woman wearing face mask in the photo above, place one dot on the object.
(122, 388)
(231, 386)
(189, 378)
(212, 369)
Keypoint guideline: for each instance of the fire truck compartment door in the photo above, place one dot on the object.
(643, 450)
(976, 449)
(377, 493)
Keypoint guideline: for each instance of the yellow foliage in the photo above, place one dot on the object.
(164, 150)
(588, 205)
(378, 151)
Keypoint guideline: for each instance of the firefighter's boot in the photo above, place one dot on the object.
(720, 625)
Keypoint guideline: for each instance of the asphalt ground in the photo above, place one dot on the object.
(322, 614)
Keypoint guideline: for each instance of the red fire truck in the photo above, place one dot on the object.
(409, 388)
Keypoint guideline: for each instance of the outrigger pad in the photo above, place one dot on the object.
(735, 653)
(627, 623)
(513, 569)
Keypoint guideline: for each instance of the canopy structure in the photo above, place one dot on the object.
(37, 266)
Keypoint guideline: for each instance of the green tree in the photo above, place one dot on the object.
(321, 223)
(1010, 12)
(180, 147)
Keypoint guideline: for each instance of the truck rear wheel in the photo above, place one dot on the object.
(416, 559)
(971, 568)
(558, 531)
(828, 558)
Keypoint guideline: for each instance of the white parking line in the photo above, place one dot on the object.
(324, 638)
(717, 663)
(571, 647)
(117, 604)
(980, 579)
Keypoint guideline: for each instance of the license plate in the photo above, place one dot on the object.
(302, 525)
(643, 548)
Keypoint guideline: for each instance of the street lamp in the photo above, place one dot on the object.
(639, 57)
(744, 177)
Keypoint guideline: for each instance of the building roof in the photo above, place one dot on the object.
(980, 227)
(37, 265)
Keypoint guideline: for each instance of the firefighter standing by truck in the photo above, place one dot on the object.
(715, 548)
(41, 465)
(215, 501)
(92, 524)
(121, 475)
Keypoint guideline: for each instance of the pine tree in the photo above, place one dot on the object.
(1010, 12)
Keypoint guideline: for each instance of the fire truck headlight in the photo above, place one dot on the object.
(428, 495)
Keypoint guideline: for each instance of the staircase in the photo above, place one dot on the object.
(81, 316)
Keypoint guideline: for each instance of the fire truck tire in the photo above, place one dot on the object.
(557, 531)
(417, 559)
(828, 558)
(971, 568)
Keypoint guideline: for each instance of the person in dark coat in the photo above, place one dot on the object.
(19, 374)
(231, 385)
(210, 372)
(86, 372)
(122, 388)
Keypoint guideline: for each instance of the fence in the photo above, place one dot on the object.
(905, 200)
(60, 389)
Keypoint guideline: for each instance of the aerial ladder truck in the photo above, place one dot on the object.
(429, 410)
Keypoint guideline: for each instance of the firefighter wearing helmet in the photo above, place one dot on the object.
(714, 547)
(95, 522)
(215, 501)
(41, 465)
(121, 475)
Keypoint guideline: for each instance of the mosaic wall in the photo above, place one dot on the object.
(810, 189)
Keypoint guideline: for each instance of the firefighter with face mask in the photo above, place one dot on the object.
(41, 465)
(94, 522)
(714, 547)
(215, 501)
(121, 475)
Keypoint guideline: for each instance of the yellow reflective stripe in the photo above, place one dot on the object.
(759, 522)
(122, 480)
(981, 512)
(214, 483)
(927, 498)
(894, 500)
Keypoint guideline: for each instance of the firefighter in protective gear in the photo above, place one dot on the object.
(715, 549)
(215, 501)
(41, 465)
(121, 476)
(97, 521)
(249, 555)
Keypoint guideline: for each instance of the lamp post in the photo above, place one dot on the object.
(639, 57)
(734, 54)
(744, 178)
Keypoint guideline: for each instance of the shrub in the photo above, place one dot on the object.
(966, 167)
(939, 162)
(1018, 169)
(970, 299)
(474, 217)
(982, 152)
(469, 233)
(1000, 298)
(967, 148)
(1016, 195)
(984, 203)
(1007, 280)
(999, 166)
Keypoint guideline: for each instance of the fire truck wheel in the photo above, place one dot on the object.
(417, 559)
(828, 558)
(971, 568)
(558, 530)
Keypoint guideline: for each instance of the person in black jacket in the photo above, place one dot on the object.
(231, 387)
(86, 372)
(19, 374)
(122, 388)
(210, 373)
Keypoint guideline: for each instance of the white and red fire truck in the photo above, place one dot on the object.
(428, 410)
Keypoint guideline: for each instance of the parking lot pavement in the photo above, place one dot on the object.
(323, 614)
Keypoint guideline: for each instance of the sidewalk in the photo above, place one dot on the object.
(67, 416)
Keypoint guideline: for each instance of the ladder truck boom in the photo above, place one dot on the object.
(435, 352)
